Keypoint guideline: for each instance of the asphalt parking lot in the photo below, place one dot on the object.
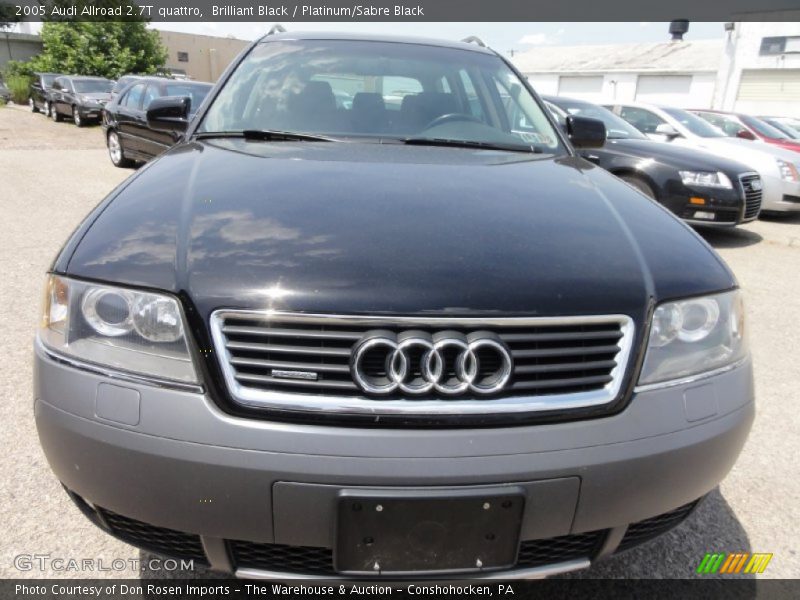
(52, 174)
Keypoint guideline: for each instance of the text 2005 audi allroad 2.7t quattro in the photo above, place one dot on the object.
(374, 317)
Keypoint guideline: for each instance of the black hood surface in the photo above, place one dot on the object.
(390, 229)
(97, 95)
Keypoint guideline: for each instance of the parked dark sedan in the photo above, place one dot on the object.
(128, 137)
(39, 92)
(701, 188)
(122, 83)
(80, 98)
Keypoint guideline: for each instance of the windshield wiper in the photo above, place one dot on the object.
(266, 135)
(424, 141)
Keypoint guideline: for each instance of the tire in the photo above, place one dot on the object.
(76, 117)
(46, 110)
(640, 184)
(32, 104)
(116, 152)
(54, 113)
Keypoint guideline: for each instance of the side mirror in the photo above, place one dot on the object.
(170, 113)
(584, 132)
(745, 135)
(667, 130)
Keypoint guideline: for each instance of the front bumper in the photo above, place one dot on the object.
(90, 113)
(152, 457)
(780, 195)
(720, 208)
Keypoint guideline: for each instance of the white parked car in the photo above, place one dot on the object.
(779, 168)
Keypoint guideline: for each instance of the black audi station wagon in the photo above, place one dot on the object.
(373, 317)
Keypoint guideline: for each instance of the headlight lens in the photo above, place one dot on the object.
(788, 170)
(706, 179)
(694, 336)
(129, 330)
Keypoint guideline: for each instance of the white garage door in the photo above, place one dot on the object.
(669, 90)
(769, 91)
(585, 88)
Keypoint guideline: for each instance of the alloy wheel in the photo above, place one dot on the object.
(114, 148)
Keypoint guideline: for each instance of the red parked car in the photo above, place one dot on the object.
(749, 128)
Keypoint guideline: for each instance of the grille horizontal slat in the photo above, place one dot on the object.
(570, 366)
(569, 351)
(283, 364)
(321, 351)
(563, 382)
(344, 385)
(295, 333)
(553, 337)
(552, 357)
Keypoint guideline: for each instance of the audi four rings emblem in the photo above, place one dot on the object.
(417, 362)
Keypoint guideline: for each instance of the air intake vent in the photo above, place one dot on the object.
(421, 365)
(646, 530)
(160, 540)
(319, 561)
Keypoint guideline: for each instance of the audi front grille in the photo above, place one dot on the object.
(751, 186)
(421, 366)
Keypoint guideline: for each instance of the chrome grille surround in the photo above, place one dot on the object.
(752, 198)
(342, 396)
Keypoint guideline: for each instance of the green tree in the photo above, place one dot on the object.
(8, 15)
(105, 49)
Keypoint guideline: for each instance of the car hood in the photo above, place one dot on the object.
(100, 96)
(786, 144)
(390, 229)
(757, 155)
(679, 157)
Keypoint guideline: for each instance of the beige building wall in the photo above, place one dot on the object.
(203, 57)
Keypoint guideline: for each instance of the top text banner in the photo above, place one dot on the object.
(402, 10)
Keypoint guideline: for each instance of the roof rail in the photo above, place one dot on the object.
(277, 28)
(474, 39)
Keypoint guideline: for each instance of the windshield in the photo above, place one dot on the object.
(694, 123)
(616, 127)
(785, 125)
(92, 86)
(47, 80)
(342, 88)
(763, 128)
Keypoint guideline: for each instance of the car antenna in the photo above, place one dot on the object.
(277, 28)
(474, 39)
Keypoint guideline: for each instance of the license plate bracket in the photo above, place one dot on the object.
(408, 532)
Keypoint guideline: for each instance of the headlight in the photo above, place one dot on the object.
(124, 329)
(706, 179)
(694, 336)
(788, 170)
